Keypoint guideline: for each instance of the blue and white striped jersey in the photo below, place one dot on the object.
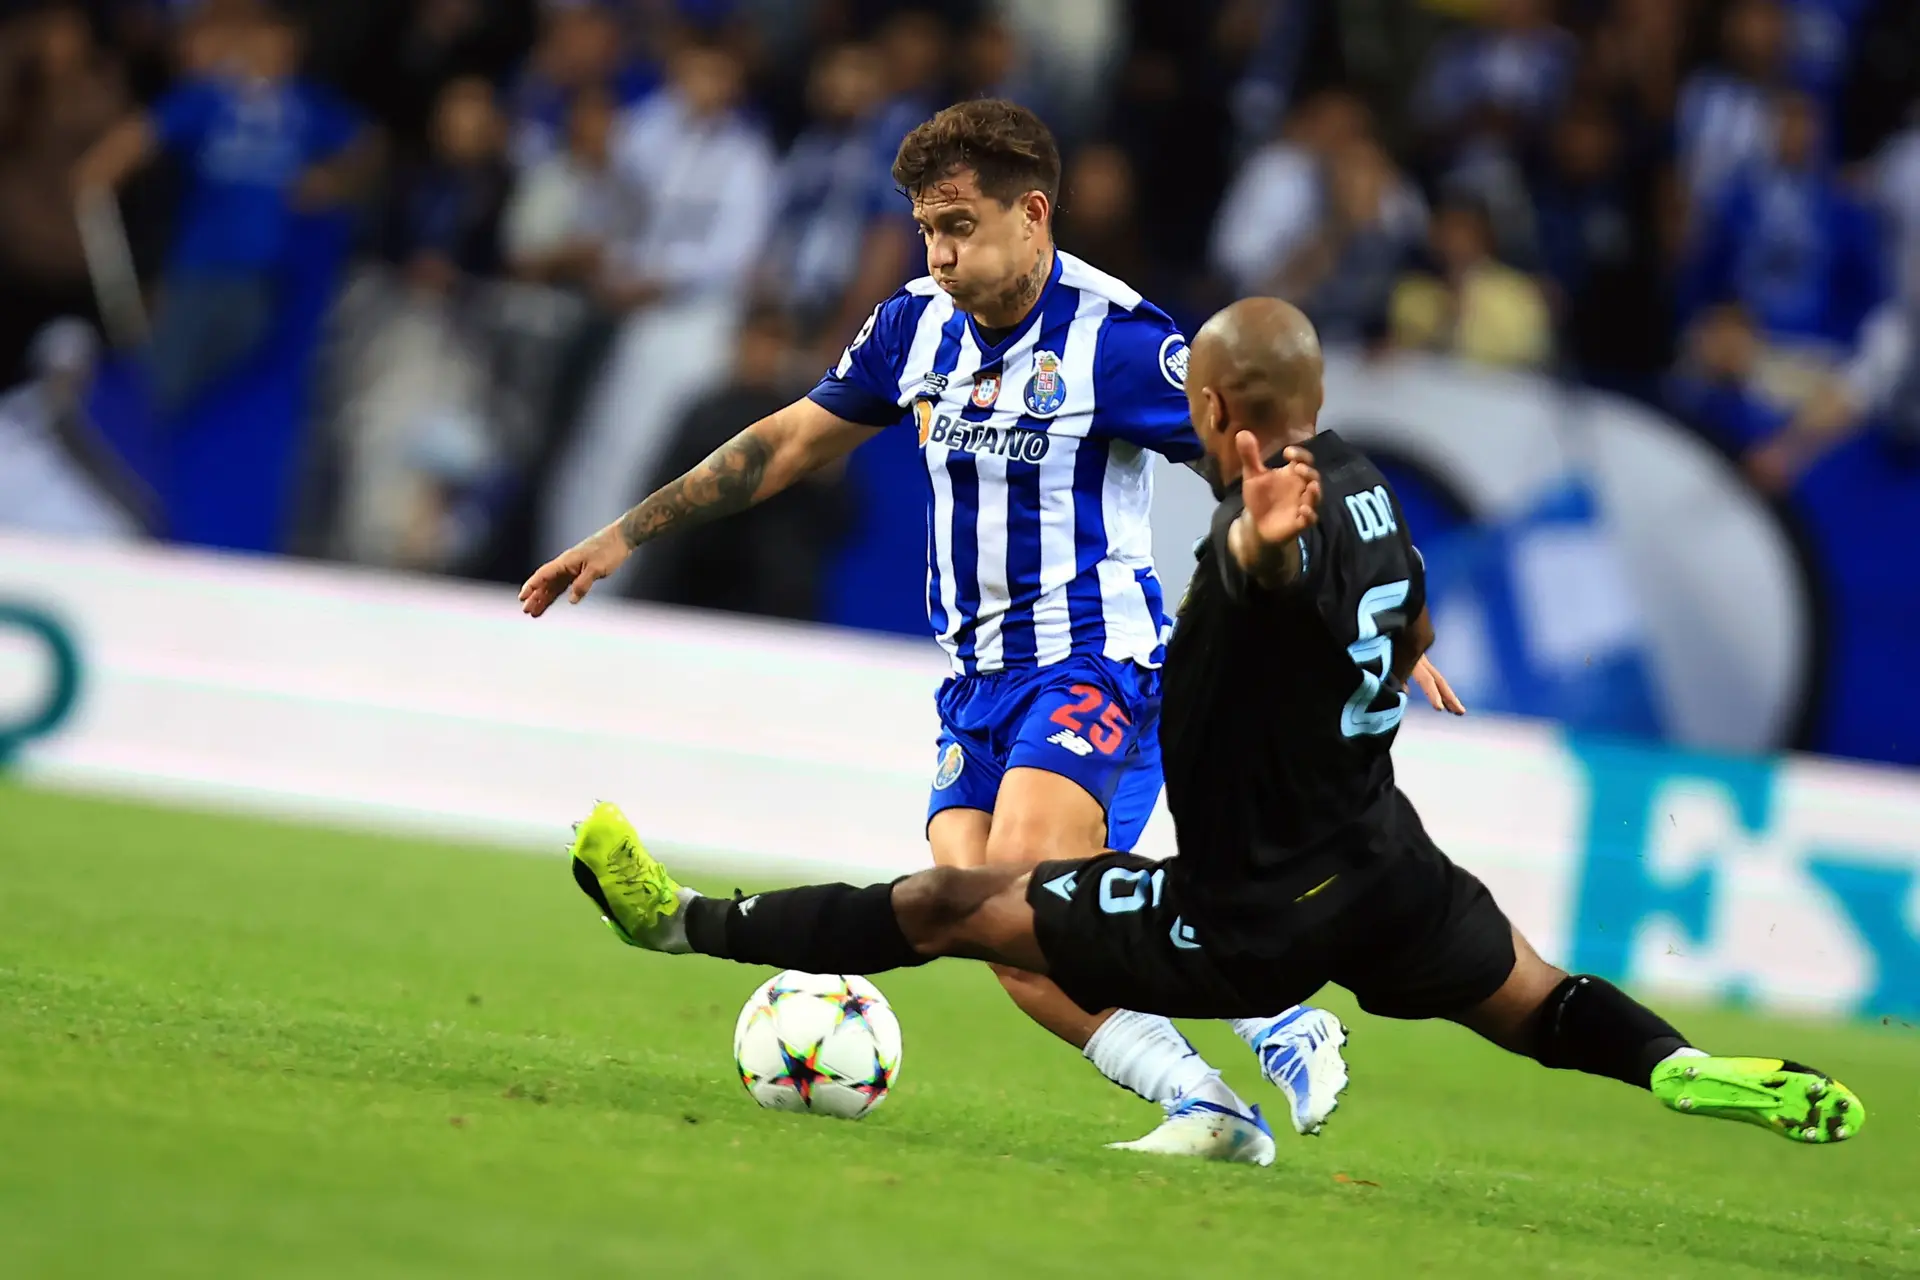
(1039, 461)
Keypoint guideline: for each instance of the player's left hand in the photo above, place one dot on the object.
(574, 571)
(1281, 504)
(1440, 694)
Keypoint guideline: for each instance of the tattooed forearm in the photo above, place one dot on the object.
(725, 483)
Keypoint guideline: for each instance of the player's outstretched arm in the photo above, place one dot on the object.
(753, 466)
(1281, 504)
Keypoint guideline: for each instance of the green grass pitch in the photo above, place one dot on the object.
(235, 1048)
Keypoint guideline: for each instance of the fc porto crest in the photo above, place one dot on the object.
(952, 761)
(1046, 389)
(986, 390)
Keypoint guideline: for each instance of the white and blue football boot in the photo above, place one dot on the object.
(1299, 1052)
(1203, 1130)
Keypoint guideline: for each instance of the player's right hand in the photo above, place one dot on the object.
(1281, 504)
(580, 566)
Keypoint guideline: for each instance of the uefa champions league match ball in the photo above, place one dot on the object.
(823, 1043)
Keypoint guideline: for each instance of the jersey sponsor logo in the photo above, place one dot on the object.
(961, 436)
(952, 761)
(986, 390)
(1174, 355)
(1063, 885)
(1183, 936)
(1372, 513)
(1046, 389)
(1072, 742)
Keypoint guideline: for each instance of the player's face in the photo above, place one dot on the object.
(978, 249)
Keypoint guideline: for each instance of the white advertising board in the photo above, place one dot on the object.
(421, 705)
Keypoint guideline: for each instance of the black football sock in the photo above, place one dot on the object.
(1590, 1025)
(819, 928)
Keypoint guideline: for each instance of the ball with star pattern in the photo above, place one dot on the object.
(827, 1044)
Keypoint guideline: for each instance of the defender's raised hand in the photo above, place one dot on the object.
(1281, 502)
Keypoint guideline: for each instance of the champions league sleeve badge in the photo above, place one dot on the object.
(1046, 389)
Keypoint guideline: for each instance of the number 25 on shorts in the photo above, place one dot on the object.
(1106, 731)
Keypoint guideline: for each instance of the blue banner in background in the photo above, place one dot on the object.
(1757, 907)
(228, 473)
(1545, 596)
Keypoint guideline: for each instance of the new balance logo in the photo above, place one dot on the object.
(1072, 742)
(1063, 885)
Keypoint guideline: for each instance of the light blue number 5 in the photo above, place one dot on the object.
(1356, 720)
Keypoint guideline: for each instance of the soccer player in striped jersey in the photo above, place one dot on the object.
(1040, 389)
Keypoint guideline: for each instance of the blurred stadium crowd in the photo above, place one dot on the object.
(548, 253)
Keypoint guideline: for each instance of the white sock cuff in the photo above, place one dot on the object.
(1146, 1054)
(1115, 1031)
(1685, 1051)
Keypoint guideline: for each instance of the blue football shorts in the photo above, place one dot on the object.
(1090, 719)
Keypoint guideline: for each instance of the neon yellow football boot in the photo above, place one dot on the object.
(1792, 1099)
(637, 898)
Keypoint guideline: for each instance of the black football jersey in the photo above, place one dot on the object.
(1281, 706)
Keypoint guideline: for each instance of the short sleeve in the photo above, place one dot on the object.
(332, 125)
(865, 386)
(182, 117)
(1140, 378)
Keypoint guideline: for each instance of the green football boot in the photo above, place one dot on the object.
(1792, 1099)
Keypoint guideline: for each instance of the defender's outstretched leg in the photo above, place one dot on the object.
(1584, 1023)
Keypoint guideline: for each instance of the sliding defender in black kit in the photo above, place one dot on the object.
(1300, 863)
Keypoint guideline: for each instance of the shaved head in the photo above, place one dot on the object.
(1255, 366)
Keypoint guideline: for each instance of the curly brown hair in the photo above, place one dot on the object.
(1009, 149)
